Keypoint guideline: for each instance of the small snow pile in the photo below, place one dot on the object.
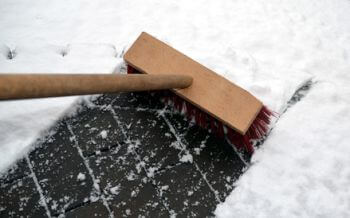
(165, 187)
(104, 134)
(81, 177)
(187, 158)
(151, 171)
(115, 190)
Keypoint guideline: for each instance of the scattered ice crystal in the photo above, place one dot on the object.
(187, 158)
(81, 177)
(115, 190)
(104, 134)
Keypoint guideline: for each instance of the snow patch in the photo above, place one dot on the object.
(187, 158)
(81, 177)
(104, 134)
(115, 190)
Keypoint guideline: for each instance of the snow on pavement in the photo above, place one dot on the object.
(270, 48)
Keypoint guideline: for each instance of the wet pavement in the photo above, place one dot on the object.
(124, 155)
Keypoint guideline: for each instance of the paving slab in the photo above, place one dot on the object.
(154, 137)
(61, 171)
(20, 199)
(125, 184)
(185, 192)
(95, 130)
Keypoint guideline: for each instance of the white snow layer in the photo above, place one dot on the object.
(268, 47)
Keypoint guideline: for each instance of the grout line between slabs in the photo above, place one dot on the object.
(91, 173)
(38, 187)
(180, 140)
(124, 132)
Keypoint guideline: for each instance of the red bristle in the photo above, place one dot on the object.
(263, 127)
(189, 110)
(166, 100)
(235, 138)
(197, 116)
(172, 100)
(220, 129)
(231, 135)
(257, 130)
(203, 120)
(212, 125)
(130, 69)
(252, 133)
(177, 103)
(248, 144)
(259, 127)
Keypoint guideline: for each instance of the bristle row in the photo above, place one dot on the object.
(257, 130)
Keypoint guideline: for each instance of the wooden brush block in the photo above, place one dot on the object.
(210, 92)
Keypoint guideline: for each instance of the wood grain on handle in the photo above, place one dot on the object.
(21, 86)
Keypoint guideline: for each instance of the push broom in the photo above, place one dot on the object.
(213, 102)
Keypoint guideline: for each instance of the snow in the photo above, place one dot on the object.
(300, 172)
(104, 134)
(270, 48)
(81, 177)
(186, 158)
(303, 170)
(115, 190)
(151, 171)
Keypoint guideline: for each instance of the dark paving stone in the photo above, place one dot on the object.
(157, 148)
(96, 130)
(94, 209)
(125, 184)
(57, 164)
(17, 171)
(185, 192)
(20, 199)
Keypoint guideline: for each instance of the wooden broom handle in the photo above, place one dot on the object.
(21, 86)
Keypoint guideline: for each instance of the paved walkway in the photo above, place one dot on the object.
(124, 155)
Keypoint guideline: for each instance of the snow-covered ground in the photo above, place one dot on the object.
(270, 48)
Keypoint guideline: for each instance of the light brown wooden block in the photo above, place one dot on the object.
(212, 93)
